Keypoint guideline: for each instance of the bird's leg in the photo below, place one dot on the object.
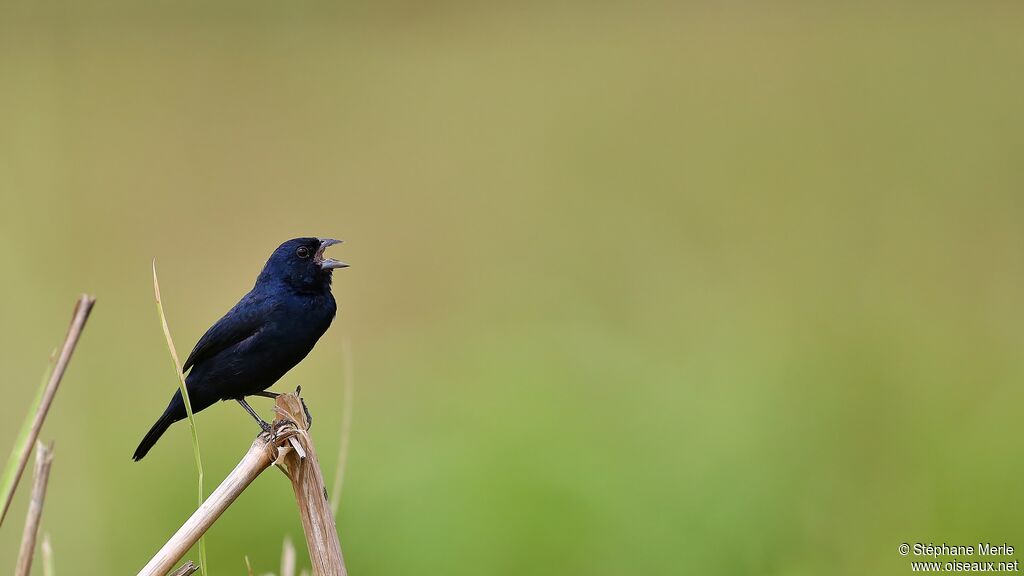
(263, 424)
(274, 395)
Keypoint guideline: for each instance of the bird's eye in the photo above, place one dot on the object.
(302, 252)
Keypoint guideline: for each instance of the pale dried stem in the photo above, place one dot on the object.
(289, 438)
(41, 475)
(47, 549)
(82, 308)
(288, 558)
(259, 457)
(308, 484)
(187, 569)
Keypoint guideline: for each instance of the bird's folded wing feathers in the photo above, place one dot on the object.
(241, 322)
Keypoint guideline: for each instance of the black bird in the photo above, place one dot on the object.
(270, 330)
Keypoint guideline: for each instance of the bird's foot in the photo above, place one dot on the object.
(309, 417)
(268, 394)
(305, 409)
(263, 423)
(267, 427)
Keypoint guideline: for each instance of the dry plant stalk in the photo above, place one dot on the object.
(300, 463)
(291, 448)
(41, 475)
(47, 549)
(259, 457)
(287, 558)
(82, 308)
(187, 569)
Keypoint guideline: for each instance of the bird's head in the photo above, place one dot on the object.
(301, 263)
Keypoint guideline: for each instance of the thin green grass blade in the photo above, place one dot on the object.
(188, 408)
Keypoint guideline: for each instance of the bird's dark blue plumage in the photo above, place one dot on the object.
(269, 331)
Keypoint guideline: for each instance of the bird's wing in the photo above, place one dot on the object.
(241, 322)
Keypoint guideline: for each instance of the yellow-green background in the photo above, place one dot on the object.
(636, 287)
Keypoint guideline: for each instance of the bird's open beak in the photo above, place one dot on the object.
(327, 263)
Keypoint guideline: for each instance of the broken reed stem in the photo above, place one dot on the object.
(289, 440)
(187, 569)
(82, 308)
(41, 475)
(259, 457)
(47, 549)
(303, 469)
(287, 558)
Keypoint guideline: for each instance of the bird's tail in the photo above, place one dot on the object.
(175, 411)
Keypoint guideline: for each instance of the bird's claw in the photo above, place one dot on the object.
(309, 417)
(305, 409)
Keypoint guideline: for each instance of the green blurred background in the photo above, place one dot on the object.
(637, 288)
